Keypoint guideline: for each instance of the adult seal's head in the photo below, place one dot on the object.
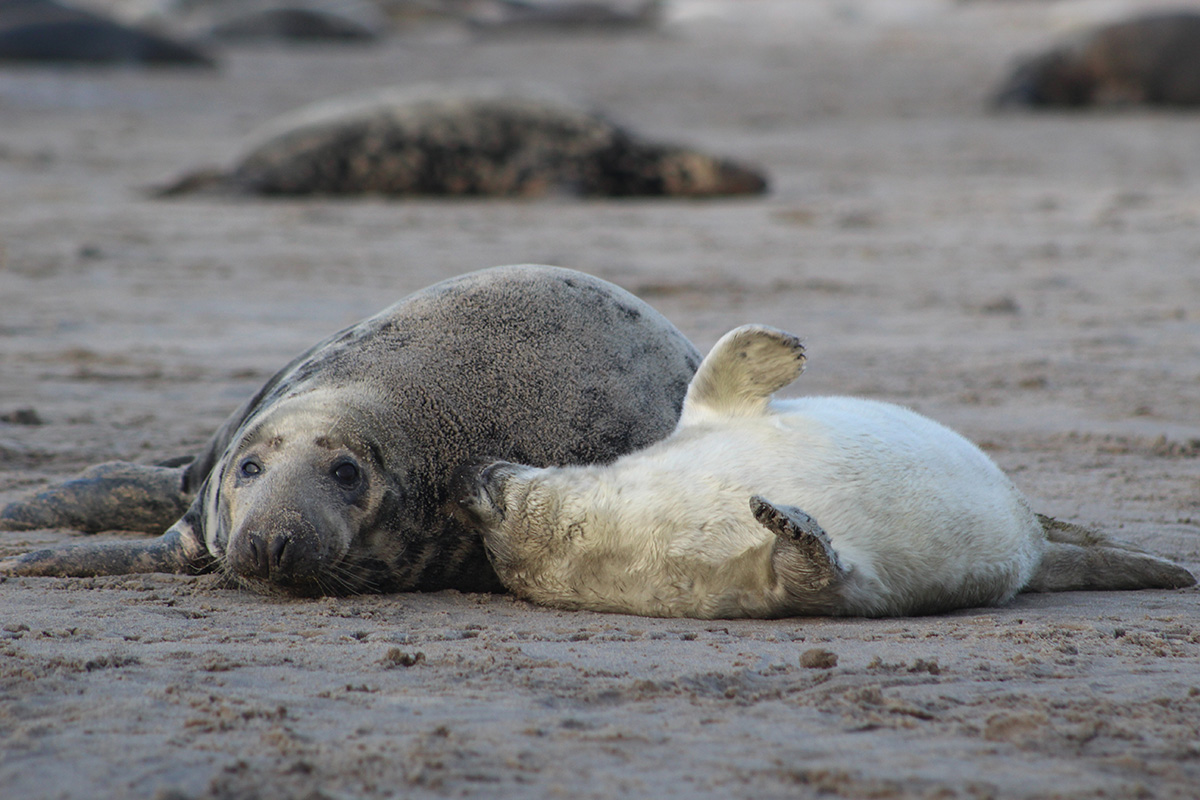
(335, 477)
(287, 504)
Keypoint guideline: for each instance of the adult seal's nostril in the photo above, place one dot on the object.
(279, 553)
(249, 556)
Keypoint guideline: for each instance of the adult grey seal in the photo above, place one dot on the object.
(1153, 59)
(333, 477)
(576, 16)
(43, 30)
(291, 23)
(757, 507)
(228, 22)
(482, 140)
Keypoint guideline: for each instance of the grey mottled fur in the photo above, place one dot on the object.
(540, 365)
(47, 31)
(602, 15)
(1151, 59)
(291, 23)
(480, 141)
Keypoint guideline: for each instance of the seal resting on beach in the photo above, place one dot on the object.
(297, 23)
(767, 508)
(591, 16)
(479, 141)
(1153, 59)
(46, 31)
(334, 478)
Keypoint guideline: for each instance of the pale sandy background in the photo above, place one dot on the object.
(1030, 280)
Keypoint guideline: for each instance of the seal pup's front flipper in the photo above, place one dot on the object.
(741, 372)
(1079, 559)
(177, 550)
(806, 565)
(107, 497)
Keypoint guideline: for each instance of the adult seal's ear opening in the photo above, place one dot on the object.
(335, 477)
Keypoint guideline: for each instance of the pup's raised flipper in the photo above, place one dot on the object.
(805, 562)
(106, 497)
(741, 372)
(1078, 558)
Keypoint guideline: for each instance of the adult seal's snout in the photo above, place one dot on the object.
(284, 549)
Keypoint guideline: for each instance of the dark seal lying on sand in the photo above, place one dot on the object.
(46, 31)
(479, 141)
(291, 23)
(335, 477)
(1152, 59)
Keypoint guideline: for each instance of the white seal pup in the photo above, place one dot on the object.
(756, 507)
(335, 476)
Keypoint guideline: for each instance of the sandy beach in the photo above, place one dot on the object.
(1028, 279)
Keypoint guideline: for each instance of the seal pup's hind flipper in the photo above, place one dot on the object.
(1079, 559)
(807, 566)
(741, 372)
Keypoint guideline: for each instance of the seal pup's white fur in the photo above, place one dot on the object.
(757, 507)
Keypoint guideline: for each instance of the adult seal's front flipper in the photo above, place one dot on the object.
(177, 550)
(107, 497)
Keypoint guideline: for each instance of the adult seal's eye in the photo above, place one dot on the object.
(250, 468)
(346, 474)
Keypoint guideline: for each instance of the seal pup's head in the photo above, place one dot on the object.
(496, 499)
(294, 495)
